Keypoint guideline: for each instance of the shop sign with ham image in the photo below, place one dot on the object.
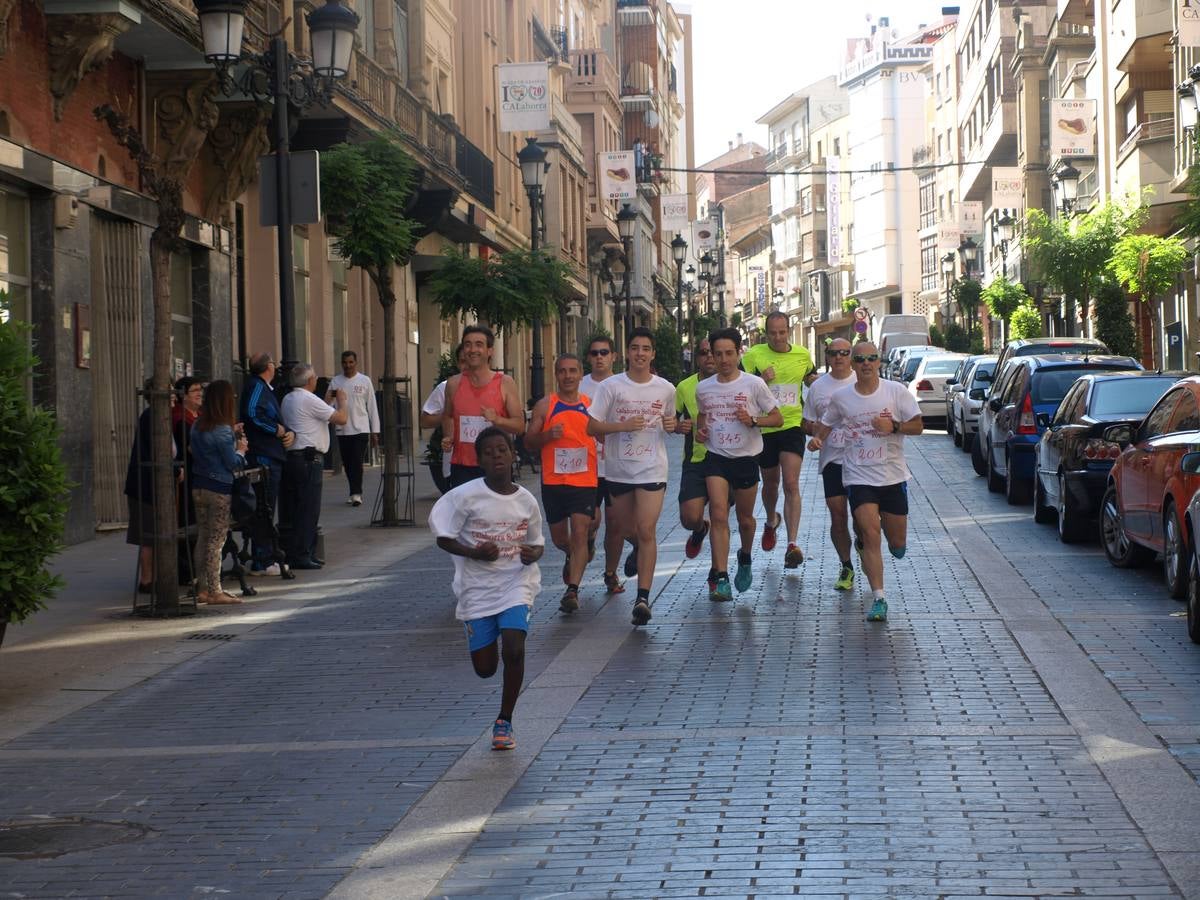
(617, 181)
(1072, 127)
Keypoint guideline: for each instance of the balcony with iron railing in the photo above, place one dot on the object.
(922, 154)
(593, 70)
(1154, 130)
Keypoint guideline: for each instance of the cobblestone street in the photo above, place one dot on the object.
(1026, 724)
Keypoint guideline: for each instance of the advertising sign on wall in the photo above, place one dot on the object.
(833, 211)
(675, 212)
(524, 96)
(1072, 127)
(617, 175)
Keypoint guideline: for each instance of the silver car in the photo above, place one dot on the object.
(927, 378)
(966, 404)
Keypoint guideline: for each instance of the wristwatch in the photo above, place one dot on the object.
(754, 421)
(895, 426)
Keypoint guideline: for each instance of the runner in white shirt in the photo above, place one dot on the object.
(874, 416)
(634, 411)
(362, 421)
(733, 406)
(435, 405)
(601, 356)
(839, 377)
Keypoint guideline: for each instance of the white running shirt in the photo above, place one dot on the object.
(816, 402)
(362, 411)
(719, 401)
(588, 386)
(635, 457)
(868, 456)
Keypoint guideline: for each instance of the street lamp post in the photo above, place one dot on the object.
(1002, 233)
(534, 167)
(968, 252)
(679, 254)
(690, 277)
(948, 280)
(626, 223)
(288, 80)
(1066, 183)
(706, 274)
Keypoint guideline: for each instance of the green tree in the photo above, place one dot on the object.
(706, 325)
(365, 189)
(1148, 265)
(508, 290)
(1114, 324)
(1003, 297)
(1070, 255)
(668, 351)
(956, 338)
(1026, 322)
(966, 292)
(936, 338)
(33, 483)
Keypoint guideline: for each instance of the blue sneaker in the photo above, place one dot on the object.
(721, 592)
(502, 736)
(878, 611)
(743, 578)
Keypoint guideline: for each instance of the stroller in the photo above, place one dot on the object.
(253, 516)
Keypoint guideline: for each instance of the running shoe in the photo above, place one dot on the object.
(631, 563)
(768, 538)
(743, 577)
(641, 612)
(720, 592)
(793, 557)
(878, 611)
(695, 541)
(712, 582)
(567, 570)
(611, 585)
(502, 736)
(845, 579)
(569, 602)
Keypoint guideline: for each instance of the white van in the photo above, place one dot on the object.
(892, 340)
(909, 324)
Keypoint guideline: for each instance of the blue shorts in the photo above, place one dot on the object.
(483, 632)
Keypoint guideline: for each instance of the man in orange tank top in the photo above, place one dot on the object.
(558, 427)
(475, 400)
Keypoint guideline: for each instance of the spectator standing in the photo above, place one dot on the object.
(268, 441)
(308, 417)
(218, 451)
(362, 421)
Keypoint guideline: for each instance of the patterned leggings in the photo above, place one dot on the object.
(212, 519)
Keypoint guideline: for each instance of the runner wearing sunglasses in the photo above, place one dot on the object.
(873, 417)
(840, 375)
(601, 356)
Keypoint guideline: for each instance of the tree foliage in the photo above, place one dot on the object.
(957, 340)
(966, 293)
(1188, 222)
(1146, 264)
(1114, 325)
(1003, 297)
(33, 483)
(1026, 322)
(510, 289)
(668, 351)
(936, 338)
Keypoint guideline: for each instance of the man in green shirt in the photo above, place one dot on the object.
(786, 369)
(693, 493)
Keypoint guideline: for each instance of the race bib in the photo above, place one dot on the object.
(870, 450)
(637, 444)
(469, 428)
(570, 460)
(727, 436)
(786, 394)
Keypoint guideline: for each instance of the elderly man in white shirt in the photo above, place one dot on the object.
(362, 421)
(304, 413)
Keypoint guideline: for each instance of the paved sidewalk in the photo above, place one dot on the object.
(1023, 726)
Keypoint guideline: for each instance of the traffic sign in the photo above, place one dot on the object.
(861, 326)
(861, 315)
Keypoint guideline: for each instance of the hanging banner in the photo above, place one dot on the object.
(674, 211)
(704, 235)
(524, 96)
(970, 218)
(617, 175)
(781, 279)
(833, 210)
(1189, 23)
(1072, 127)
(1008, 189)
(948, 236)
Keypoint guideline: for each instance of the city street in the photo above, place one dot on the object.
(1026, 724)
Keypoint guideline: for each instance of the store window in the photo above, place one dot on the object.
(14, 254)
(182, 354)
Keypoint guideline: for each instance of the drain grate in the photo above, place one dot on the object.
(210, 636)
(51, 837)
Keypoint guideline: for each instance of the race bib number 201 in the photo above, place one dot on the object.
(870, 450)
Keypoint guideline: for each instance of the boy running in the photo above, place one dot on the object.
(839, 377)
(558, 427)
(733, 407)
(785, 368)
(693, 492)
(493, 528)
(634, 411)
(602, 353)
(874, 416)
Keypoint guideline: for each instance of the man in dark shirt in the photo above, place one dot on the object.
(268, 440)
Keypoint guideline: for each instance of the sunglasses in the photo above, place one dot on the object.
(599, 352)
(837, 352)
(859, 358)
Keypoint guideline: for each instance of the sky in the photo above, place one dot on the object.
(750, 54)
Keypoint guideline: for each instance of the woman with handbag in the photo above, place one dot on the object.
(218, 451)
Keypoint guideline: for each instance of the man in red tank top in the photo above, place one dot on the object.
(475, 400)
(558, 428)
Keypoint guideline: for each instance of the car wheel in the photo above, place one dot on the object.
(978, 463)
(968, 439)
(1120, 550)
(1016, 490)
(1070, 529)
(994, 482)
(1175, 554)
(1042, 513)
(1193, 602)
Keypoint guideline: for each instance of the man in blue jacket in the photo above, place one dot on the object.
(268, 440)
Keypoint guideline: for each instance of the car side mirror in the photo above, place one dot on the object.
(1042, 420)
(994, 404)
(1190, 463)
(950, 381)
(976, 393)
(1122, 435)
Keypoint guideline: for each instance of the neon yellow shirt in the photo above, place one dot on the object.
(685, 402)
(791, 368)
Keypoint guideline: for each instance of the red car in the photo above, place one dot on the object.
(1149, 487)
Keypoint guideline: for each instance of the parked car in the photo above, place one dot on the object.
(911, 358)
(1032, 385)
(1152, 480)
(928, 381)
(903, 339)
(966, 399)
(1073, 460)
(890, 360)
(1193, 590)
(1045, 345)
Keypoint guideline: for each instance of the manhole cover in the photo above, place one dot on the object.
(47, 838)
